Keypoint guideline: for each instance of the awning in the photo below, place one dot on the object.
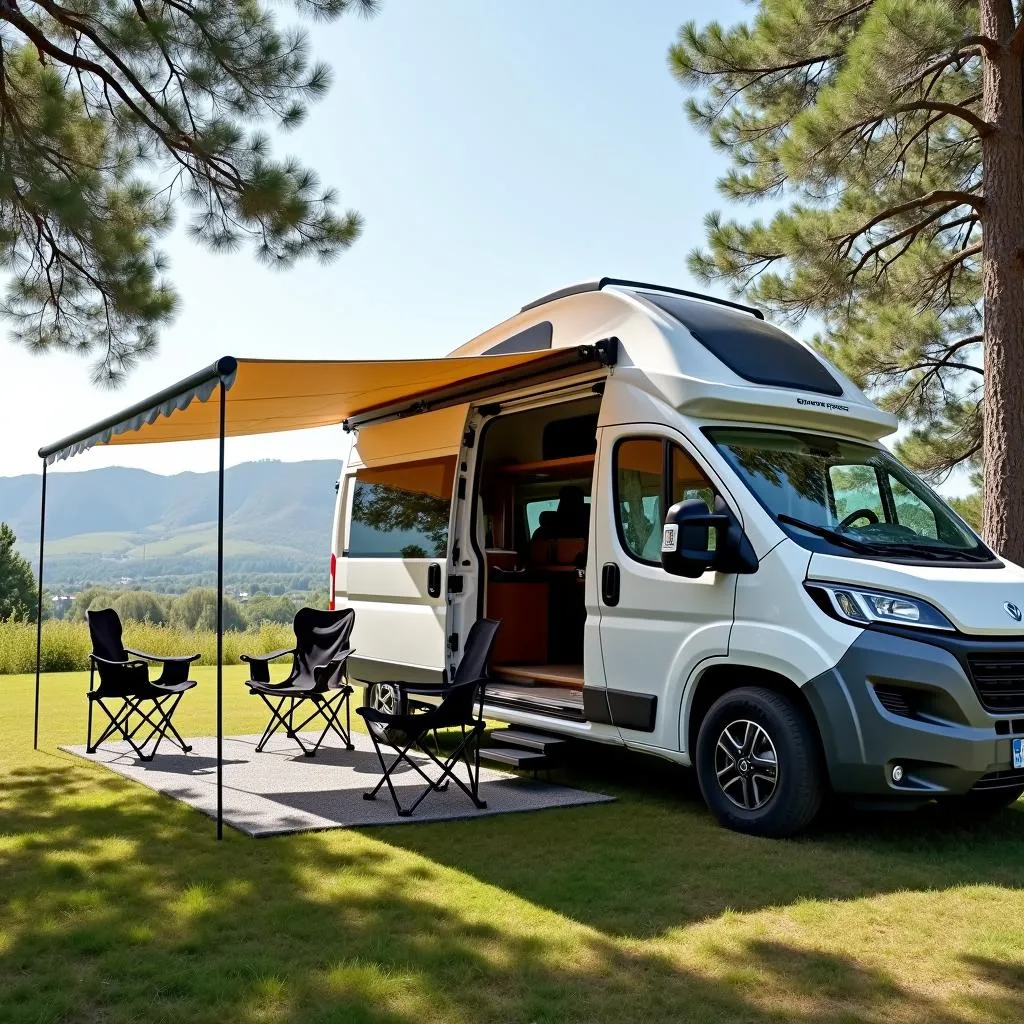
(268, 395)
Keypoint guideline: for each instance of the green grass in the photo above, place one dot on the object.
(117, 905)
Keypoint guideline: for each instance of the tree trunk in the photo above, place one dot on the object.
(1003, 282)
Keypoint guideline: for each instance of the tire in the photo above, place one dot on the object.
(385, 697)
(986, 801)
(759, 727)
(388, 698)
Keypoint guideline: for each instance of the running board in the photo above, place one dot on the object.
(570, 711)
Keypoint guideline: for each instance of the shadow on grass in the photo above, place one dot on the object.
(656, 859)
(118, 906)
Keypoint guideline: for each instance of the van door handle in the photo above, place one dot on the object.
(434, 579)
(610, 584)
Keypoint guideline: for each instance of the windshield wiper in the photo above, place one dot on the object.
(833, 535)
(924, 551)
(931, 551)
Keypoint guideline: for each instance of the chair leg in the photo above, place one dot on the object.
(279, 719)
(401, 755)
(163, 723)
(186, 747)
(461, 755)
(154, 719)
(328, 708)
(119, 725)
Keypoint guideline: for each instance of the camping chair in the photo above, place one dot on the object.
(319, 675)
(124, 676)
(458, 709)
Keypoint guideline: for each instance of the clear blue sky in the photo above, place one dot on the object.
(496, 150)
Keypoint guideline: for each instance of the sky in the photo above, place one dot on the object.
(497, 151)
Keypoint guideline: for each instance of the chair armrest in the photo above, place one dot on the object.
(324, 672)
(425, 689)
(260, 671)
(118, 664)
(164, 659)
(267, 657)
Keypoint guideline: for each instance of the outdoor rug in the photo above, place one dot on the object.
(280, 791)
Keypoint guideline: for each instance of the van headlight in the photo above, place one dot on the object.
(865, 607)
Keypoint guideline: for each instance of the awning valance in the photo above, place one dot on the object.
(269, 395)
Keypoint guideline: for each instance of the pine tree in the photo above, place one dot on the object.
(116, 113)
(17, 583)
(889, 137)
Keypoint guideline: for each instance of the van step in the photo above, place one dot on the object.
(529, 740)
(531, 760)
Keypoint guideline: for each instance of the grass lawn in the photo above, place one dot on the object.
(117, 905)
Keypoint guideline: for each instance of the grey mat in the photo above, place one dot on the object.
(281, 791)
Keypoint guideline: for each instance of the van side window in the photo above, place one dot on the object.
(639, 476)
(648, 478)
(688, 481)
(402, 511)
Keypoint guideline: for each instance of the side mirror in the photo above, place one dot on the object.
(690, 538)
(695, 539)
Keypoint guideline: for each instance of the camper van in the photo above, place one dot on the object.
(698, 548)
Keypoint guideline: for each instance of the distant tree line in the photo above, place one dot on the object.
(196, 609)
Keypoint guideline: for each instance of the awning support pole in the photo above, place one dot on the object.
(39, 610)
(220, 619)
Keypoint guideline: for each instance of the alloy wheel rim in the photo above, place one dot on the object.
(746, 764)
(385, 699)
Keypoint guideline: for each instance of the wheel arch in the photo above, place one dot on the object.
(719, 679)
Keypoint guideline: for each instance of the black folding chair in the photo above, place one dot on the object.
(319, 675)
(124, 677)
(461, 707)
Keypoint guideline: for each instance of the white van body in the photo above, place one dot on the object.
(897, 650)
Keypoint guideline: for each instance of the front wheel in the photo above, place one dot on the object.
(758, 763)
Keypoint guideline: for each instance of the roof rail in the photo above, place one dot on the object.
(596, 286)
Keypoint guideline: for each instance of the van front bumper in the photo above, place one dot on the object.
(898, 700)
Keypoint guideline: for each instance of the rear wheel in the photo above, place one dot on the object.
(758, 763)
(386, 698)
(389, 700)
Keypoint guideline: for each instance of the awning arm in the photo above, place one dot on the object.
(199, 385)
(578, 358)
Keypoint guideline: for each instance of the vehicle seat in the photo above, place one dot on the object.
(547, 527)
(573, 513)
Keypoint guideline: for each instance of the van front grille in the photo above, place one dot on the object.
(999, 679)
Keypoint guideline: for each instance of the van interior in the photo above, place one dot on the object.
(532, 525)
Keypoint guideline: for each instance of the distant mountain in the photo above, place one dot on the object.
(105, 524)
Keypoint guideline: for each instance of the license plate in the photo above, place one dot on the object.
(1018, 753)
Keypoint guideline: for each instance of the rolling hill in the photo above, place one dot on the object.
(107, 524)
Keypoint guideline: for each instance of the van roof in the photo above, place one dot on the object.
(708, 357)
(603, 282)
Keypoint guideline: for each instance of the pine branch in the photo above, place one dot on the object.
(979, 124)
(952, 199)
(910, 232)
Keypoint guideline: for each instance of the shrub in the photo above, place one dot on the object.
(264, 608)
(140, 606)
(198, 610)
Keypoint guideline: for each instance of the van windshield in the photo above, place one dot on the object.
(846, 498)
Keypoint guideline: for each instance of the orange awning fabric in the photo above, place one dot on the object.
(266, 396)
